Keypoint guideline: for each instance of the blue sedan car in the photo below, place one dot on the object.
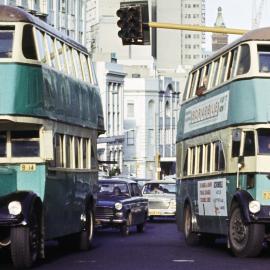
(120, 204)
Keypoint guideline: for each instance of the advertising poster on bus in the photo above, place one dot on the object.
(212, 197)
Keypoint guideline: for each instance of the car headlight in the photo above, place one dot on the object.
(118, 206)
(15, 208)
(254, 207)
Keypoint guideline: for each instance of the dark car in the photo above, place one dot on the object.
(120, 204)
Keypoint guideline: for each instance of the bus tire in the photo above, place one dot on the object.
(86, 236)
(245, 239)
(25, 243)
(191, 238)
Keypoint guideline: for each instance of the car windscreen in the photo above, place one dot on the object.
(113, 189)
(159, 188)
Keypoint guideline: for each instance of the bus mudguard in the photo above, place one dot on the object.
(243, 198)
(26, 199)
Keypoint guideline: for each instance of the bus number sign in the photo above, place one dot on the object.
(266, 195)
(28, 167)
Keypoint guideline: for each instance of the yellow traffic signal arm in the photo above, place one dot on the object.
(197, 28)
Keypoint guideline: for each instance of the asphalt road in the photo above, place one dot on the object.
(161, 246)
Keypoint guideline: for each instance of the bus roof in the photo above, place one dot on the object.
(260, 34)
(15, 14)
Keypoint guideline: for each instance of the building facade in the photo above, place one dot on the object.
(67, 16)
(110, 77)
(219, 40)
(150, 116)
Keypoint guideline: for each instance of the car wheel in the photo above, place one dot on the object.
(25, 243)
(86, 236)
(245, 239)
(191, 238)
(125, 228)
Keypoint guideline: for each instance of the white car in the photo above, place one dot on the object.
(161, 197)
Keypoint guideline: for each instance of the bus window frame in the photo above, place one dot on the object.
(192, 90)
(241, 48)
(224, 67)
(36, 31)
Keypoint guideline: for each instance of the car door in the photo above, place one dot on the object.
(139, 204)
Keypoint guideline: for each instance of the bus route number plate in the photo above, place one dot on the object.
(266, 195)
(28, 167)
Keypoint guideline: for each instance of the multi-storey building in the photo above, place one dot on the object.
(68, 16)
(110, 148)
(219, 40)
(150, 109)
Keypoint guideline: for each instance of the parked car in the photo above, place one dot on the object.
(140, 181)
(120, 204)
(161, 196)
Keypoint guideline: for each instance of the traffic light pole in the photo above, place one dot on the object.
(197, 28)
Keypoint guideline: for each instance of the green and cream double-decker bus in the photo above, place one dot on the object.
(50, 118)
(223, 147)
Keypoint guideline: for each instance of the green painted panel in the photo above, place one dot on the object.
(249, 102)
(43, 92)
(8, 181)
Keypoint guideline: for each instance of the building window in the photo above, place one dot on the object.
(130, 109)
(130, 137)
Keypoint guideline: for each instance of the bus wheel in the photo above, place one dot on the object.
(25, 242)
(245, 239)
(191, 238)
(86, 236)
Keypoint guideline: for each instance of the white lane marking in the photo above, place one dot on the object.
(188, 261)
(86, 261)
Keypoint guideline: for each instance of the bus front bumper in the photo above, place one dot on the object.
(263, 216)
(7, 219)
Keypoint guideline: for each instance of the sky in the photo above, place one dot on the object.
(236, 14)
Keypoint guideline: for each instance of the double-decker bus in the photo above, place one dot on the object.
(50, 118)
(223, 147)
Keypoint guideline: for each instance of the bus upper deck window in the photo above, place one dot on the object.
(244, 60)
(264, 58)
(3, 144)
(6, 43)
(28, 43)
(264, 140)
(24, 143)
(249, 144)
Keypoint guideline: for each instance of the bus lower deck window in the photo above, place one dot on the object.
(25, 143)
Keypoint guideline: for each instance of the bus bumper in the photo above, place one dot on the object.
(263, 216)
(9, 220)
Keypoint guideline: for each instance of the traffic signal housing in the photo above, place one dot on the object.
(133, 23)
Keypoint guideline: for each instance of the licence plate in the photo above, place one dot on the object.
(28, 167)
(154, 213)
(266, 195)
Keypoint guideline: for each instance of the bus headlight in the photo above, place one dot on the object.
(15, 208)
(118, 206)
(254, 207)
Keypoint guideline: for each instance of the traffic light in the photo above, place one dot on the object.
(133, 23)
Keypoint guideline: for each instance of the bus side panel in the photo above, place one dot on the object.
(65, 201)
